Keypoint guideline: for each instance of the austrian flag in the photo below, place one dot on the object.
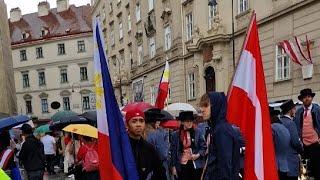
(248, 108)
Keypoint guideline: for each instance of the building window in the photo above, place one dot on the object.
(282, 64)
(28, 107)
(140, 54)
(25, 79)
(137, 87)
(122, 59)
(39, 52)
(167, 38)
(44, 105)
(243, 5)
(83, 74)
(110, 7)
(42, 78)
(120, 30)
(189, 26)
(154, 93)
(64, 75)
(86, 102)
(191, 86)
(81, 46)
(138, 12)
(151, 5)
(23, 55)
(129, 22)
(66, 103)
(61, 50)
(112, 37)
(211, 15)
(152, 47)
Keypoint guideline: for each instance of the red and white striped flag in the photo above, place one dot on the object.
(163, 87)
(248, 108)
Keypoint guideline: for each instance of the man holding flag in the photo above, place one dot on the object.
(116, 159)
(120, 157)
(248, 109)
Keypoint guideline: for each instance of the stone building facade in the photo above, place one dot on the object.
(53, 58)
(200, 51)
(7, 94)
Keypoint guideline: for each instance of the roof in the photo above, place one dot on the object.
(75, 20)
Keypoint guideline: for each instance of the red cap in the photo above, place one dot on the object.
(134, 113)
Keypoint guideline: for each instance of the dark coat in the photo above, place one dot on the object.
(32, 154)
(199, 147)
(281, 140)
(148, 162)
(295, 147)
(315, 112)
(224, 149)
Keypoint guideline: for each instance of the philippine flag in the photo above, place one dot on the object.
(114, 149)
(248, 108)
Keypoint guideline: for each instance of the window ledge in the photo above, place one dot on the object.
(281, 81)
(45, 112)
(192, 99)
(243, 13)
(81, 51)
(83, 80)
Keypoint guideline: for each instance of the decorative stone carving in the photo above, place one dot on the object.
(65, 93)
(27, 97)
(43, 95)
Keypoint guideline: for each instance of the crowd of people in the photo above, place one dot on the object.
(210, 150)
(77, 156)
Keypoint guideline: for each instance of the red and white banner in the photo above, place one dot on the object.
(248, 109)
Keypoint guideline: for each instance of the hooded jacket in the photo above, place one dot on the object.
(224, 149)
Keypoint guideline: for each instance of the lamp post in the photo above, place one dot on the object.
(120, 82)
(72, 90)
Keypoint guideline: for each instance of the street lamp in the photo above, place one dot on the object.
(72, 90)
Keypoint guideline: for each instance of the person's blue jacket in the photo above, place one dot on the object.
(295, 147)
(281, 141)
(224, 149)
(161, 141)
(199, 147)
(315, 112)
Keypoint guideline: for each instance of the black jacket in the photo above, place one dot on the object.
(147, 160)
(32, 154)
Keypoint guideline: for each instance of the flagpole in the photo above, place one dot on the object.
(233, 45)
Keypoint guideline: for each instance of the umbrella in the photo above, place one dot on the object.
(66, 120)
(9, 122)
(43, 129)
(90, 115)
(30, 122)
(58, 115)
(142, 106)
(171, 124)
(175, 108)
(82, 129)
(166, 115)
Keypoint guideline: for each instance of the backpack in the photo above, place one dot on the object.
(91, 160)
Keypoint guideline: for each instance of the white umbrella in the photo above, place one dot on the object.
(175, 108)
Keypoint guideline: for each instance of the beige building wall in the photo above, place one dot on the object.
(51, 64)
(211, 45)
(7, 93)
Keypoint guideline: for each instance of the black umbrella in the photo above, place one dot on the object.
(166, 115)
(90, 115)
(64, 121)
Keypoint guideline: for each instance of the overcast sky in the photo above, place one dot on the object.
(30, 6)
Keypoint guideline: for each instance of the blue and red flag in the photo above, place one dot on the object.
(114, 149)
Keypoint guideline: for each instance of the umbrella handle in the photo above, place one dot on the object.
(74, 148)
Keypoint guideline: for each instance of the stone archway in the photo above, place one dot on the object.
(210, 79)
